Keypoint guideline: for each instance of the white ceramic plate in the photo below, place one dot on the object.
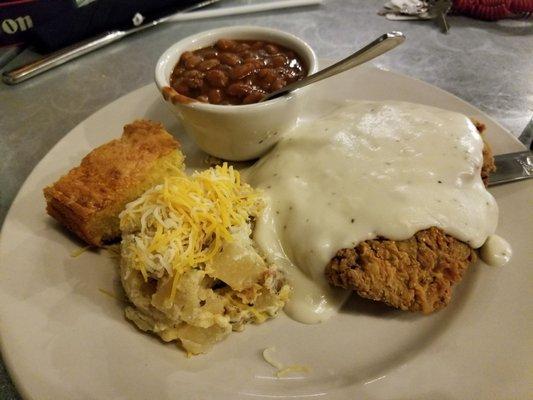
(63, 338)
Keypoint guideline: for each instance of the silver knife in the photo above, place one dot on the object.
(438, 10)
(526, 136)
(62, 56)
(512, 167)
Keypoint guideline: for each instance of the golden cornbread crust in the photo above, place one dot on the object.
(89, 198)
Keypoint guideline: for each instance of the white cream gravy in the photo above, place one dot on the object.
(368, 169)
(496, 251)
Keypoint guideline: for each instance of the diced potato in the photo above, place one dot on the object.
(214, 303)
(144, 323)
(203, 311)
(199, 340)
(238, 265)
(161, 298)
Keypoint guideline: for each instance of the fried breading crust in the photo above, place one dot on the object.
(488, 159)
(89, 197)
(415, 274)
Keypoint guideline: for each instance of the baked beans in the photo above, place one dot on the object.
(236, 71)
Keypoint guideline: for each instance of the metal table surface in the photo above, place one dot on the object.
(487, 64)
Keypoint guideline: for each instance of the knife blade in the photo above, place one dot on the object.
(438, 10)
(512, 167)
(526, 137)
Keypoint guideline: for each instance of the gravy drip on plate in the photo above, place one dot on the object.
(496, 251)
(368, 169)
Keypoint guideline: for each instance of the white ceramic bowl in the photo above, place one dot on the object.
(242, 132)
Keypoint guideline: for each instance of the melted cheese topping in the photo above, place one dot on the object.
(369, 169)
(185, 221)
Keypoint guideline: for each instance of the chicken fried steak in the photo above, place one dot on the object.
(416, 274)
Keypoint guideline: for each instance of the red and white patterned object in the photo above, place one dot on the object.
(492, 10)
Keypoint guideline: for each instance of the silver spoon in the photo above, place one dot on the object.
(381, 45)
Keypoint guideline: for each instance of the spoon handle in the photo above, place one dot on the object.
(381, 45)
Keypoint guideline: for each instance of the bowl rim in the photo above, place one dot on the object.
(162, 81)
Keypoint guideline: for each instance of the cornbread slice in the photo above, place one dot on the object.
(88, 199)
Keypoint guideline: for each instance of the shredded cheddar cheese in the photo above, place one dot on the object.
(268, 356)
(296, 368)
(185, 221)
(112, 295)
(282, 370)
(78, 252)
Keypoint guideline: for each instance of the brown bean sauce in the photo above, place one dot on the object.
(236, 71)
